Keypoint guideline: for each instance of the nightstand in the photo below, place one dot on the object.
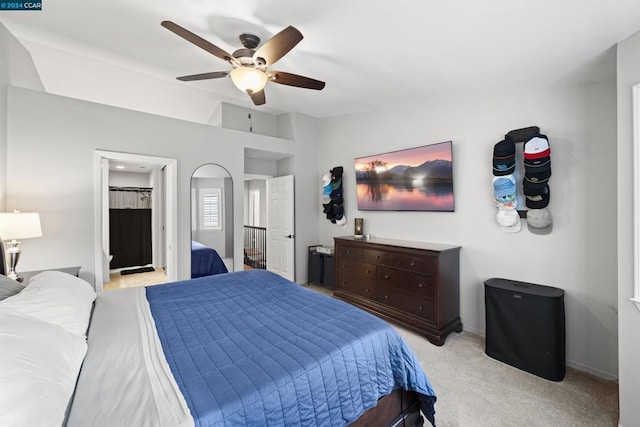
(27, 275)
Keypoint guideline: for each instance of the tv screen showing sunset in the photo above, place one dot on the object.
(415, 179)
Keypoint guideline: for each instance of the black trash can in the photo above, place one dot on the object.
(315, 267)
(526, 326)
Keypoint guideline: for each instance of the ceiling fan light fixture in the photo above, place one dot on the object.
(248, 79)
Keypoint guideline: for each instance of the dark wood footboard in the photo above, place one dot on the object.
(400, 408)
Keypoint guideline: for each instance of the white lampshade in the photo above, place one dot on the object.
(248, 79)
(19, 225)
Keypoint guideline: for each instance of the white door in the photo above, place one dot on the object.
(280, 227)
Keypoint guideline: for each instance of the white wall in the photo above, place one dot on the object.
(579, 256)
(304, 130)
(51, 169)
(99, 77)
(16, 67)
(629, 338)
(4, 82)
(129, 179)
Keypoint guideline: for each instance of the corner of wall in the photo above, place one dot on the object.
(628, 72)
(4, 82)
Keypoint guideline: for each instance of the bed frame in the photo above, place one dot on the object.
(400, 408)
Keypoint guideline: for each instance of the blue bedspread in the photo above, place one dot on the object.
(205, 261)
(252, 348)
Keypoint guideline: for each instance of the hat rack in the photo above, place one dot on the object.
(520, 136)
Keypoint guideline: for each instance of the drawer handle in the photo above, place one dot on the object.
(386, 297)
(378, 257)
(420, 285)
(386, 276)
(420, 307)
(366, 290)
(367, 272)
(348, 252)
(413, 263)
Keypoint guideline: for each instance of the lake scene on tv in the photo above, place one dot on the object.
(415, 179)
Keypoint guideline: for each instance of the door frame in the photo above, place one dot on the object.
(101, 190)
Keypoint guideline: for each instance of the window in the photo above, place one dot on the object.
(211, 209)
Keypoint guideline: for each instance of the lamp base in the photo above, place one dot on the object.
(15, 276)
(14, 255)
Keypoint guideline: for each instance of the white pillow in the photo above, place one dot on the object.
(9, 287)
(58, 298)
(39, 365)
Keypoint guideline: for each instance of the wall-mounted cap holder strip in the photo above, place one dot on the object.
(541, 222)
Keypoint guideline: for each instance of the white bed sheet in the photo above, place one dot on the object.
(125, 379)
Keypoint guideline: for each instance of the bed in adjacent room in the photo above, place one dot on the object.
(244, 348)
(205, 261)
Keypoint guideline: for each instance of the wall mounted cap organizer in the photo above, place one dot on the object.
(536, 153)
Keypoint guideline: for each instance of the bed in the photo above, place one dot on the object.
(205, 261)
(244, 348)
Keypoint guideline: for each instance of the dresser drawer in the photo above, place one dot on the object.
(422, 307)
(349, 252)
(423, 264)
(377, 257)
(357, 270)
(355, 286)
(421, 285)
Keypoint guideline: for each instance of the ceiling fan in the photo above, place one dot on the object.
(249, 65)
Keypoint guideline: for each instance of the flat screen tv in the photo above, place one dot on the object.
(414, 179)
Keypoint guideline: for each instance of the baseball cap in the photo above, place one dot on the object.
(504, 188)
(533, 185)
(538, 177)
(504, 157)
(536, 147)
(537, 165)
(509, 220)
(539, 221)
(538, 199)
(504, 166)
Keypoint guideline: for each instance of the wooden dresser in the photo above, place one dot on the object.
(413, 284)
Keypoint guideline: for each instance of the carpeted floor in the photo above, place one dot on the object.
(475, 390)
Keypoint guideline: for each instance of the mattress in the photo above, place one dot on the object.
(244, 348)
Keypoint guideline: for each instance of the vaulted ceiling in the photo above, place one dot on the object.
(372, 54)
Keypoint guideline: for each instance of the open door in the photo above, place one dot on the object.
(280, 226)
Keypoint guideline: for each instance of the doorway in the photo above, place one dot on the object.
(266, 246)
(164, 222)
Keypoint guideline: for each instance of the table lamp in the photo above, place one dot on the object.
(18, 225)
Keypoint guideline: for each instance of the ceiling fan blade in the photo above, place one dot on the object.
(277, 46)
(199, 41)
(258, 98)
(295, 80)
(204, 76)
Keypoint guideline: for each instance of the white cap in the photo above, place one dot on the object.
(509, 220)
(539, 221)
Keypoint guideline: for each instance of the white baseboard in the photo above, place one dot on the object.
(595, 372)
(580, 367)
